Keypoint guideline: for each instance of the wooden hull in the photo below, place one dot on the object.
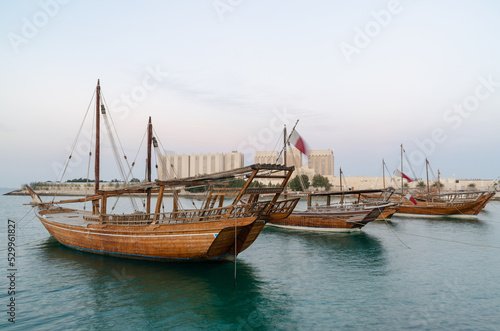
(388, 212)
(197, 241)
(329, 222)
(470, 208)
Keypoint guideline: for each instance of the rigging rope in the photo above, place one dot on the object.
(72, 148)
(88, 165)
(448, 240)
(118, 137)
(275, 149)
(116, 155)
(409, 164)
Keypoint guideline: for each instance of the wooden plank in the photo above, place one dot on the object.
(158, 204)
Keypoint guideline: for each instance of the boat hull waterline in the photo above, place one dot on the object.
(198, 241)
(468, 209)
(329, 221)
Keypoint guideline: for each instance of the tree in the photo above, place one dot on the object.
(421, 184)
(135, 180)
(321, 181)
(295, 184)
(196, 188)
(438, 183)
(257, 184)
(237, 183)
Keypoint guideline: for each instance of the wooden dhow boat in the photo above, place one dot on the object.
(227, 224)
(341, 216)
(434, 203)
(455, 204)
(338, 217)
(210, 233)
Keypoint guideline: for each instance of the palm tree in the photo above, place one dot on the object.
(421, 184)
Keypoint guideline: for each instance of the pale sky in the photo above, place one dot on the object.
(363, 77)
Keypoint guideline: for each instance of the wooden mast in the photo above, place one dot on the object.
(95, 205)
(439, 182)
(341, 186)
(284, 146)
(284, 158)
(148, 178)
(427, 172)
(340, 176)
(402, 185)
(383, 173)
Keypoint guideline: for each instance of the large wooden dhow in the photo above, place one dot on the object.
(213, 232)
(455, 204)
(339, 216)
(228, 223)
(435, 203)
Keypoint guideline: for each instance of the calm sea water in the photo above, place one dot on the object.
(405, 274)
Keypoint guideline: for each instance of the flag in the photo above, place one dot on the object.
(401, 174)
(298, 142)
(409, 197)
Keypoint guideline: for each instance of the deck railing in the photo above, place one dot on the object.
(282, 207)
(185, 216)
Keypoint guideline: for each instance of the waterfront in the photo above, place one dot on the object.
(446, 279)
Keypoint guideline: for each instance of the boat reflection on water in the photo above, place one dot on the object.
(359, 249)
(155, 294)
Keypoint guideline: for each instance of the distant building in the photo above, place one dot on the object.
(233, 160)
(181, 166)
(294, 158)
(267, 158)
(321, 161)
(318, 161)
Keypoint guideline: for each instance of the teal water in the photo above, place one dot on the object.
(290, 280)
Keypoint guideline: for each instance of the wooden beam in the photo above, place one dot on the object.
(158, 204)
(270, 176)
(283, 185)
(104, 204)
(245, 187)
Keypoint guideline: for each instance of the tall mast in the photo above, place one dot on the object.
(427, 172)
(150, 140)
(439, 182)
(284, 145)
(402, 185)
(341, 188)
(383, 174)
(97, 134)
(284, 157)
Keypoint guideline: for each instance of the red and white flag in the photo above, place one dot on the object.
(401, 174)
(409, 197)
(298, 142)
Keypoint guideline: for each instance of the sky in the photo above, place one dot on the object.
(362, 78)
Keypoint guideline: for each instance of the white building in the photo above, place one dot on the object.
(321, 161)
(233, 160)
(294, 158)
(181, 166)
(267, 158)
